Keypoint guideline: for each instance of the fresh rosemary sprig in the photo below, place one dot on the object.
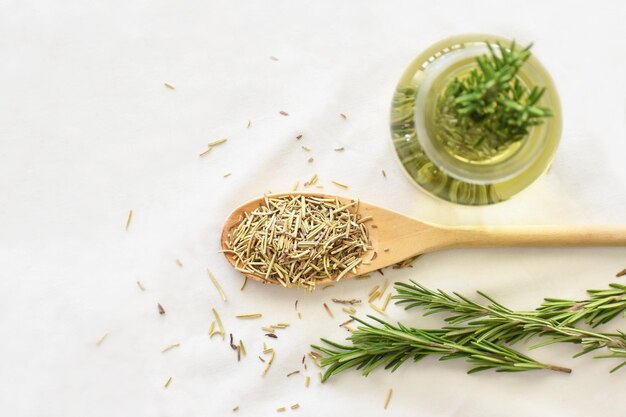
(553, 320)
(490, 103)
(480, 333)
(392, 345)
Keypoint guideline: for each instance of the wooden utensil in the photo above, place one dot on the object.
(396, 237)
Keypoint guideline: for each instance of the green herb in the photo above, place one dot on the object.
(490, 104)
(554, 320)
(390, 346)
(481, 332)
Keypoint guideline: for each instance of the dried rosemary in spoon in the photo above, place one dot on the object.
(299, 240)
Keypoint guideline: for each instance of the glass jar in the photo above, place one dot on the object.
(445, 165)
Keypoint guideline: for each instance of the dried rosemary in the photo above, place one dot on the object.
(101, 339)
(170, 347)
(216, 284)
(297, 240)
(128, 219)
(388, 398)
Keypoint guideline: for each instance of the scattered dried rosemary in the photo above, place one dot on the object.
(130, 217)
(297, 240)
(104, 336)
(388, 398)
(352, 301)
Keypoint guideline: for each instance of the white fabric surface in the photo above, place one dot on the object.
(88, 132)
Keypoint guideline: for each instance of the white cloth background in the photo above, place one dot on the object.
(88, 131)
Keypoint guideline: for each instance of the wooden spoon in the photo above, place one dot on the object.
(396, 237)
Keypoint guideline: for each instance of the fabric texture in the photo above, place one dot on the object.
(89, 131)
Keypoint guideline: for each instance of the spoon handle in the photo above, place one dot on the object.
(538, 236)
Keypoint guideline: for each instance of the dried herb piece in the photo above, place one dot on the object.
(140, 285)
(292, 373)
(346, 322)
(217, 142)
(168, 382)
(216, 284)
(219, 322)
(377, 309)
(384, 307)
(249, 316)
(101, 339)
(170, 86)
(339, 184)
(233, 346)
(272, 335)
(161, 309)
(212, 145)
(170, 347)
(621, 273)
(284, 113)
(330, 313)
(352, 301)
(388, 397)
(269, 363)
(130, 217)
(343, 116)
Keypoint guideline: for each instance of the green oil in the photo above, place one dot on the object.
(461, 148)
